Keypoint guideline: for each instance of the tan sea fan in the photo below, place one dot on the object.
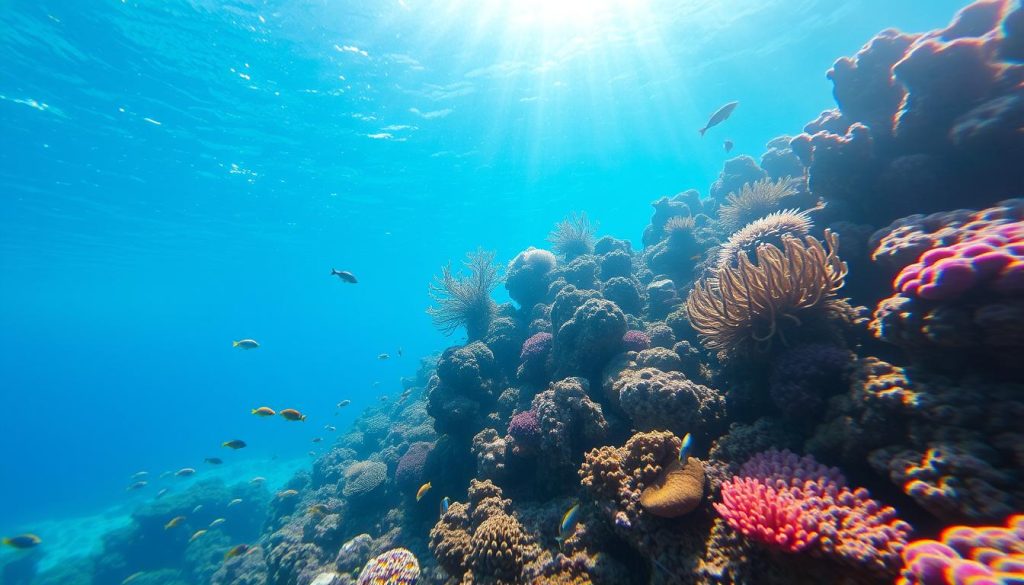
(465, 300)
(742, 306)
(755, 200)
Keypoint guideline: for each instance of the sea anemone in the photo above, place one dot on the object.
(573, 236)
(769, 229)
(465, 300)
(744, 305)
(755, 200)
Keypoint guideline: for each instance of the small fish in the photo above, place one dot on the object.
(137, 486)
(185, 472)
(214, 460)
(217, 522)
(139, 475)
(569, 521)
(161, 493)
(263, 411)
(257, 480)
(728, 145)
(132, 577)
(330, 428)
(292, 414)
(311, 453)
(384, 398)
(344, 403)
(445, 503)
(317, 439)
(383, 357)
(174, 522)
(344, 275)
(235, 551)
(684, 448)
(234, 502)
(423, 491)
(166, 474)
(197, 509)
(316, 510)
(197, 534)
(246, 344)
(399, 352)
(22, 541)
(375, 384)
(720, 115)
(287, 494)
(234, 444)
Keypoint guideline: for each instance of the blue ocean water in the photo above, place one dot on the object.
(179, 174)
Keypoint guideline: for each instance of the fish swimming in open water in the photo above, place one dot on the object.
(721, 115)
(344, 403)
(217, 522)
(197, 534)
(383, 357)
(137, 486)
(234, 444)
(234, 502)
(263, 411)
(423, 491)
(22, 541)
(245, 344)
(214, 460)
(292, 414)
(344, 275)
(185, 472)
(235, 551)
(174, 522)
(728, 146)
(446, 502)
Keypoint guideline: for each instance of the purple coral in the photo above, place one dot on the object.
(635, 340)
(992, 259)
(984, 555)
(536, 347)
(409, 473)
(524, 429)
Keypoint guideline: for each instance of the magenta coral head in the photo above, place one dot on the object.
(524, 428)
(536, 346)
(635, 340)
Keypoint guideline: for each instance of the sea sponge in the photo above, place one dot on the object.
(982, 555)
(397, 566)
(677, 491)
(528, 276)
(745, 307)
(654, 399)
(793, 503)
(754, 200)
(465, 301)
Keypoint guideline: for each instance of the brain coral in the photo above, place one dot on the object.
(654, 399)
(965, 555)
(793, 504)
(363, 478)
(397, 566)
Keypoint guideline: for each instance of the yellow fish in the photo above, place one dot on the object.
(423, 491)
(174, 522)
(197, 534)
(263, 411)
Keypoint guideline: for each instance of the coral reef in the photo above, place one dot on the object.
(465, 301)
(964, 554)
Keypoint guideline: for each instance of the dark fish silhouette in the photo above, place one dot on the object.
(728, 146)
(720, 116)
(344, 275)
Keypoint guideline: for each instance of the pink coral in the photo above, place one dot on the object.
(986, 555)
(397, 566)
(794, 503)
(524, 429)
(992, 259)
(635, 340)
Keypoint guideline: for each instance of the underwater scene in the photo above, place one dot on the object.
(497, 292)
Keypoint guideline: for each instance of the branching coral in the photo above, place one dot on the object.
(573, 236)
(754, 200)
(746, 305)
(465, 300)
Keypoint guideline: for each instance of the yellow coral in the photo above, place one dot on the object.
(677, 491)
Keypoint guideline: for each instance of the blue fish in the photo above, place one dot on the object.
(569, 521)
(445, 502)
(684, 448)
(22, 541)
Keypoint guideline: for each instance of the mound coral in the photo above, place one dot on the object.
(569, 422)
(395, 567)
(635, 340)
(795, 504)
(745, 307)
(584, 343)
(984, 555)
(364, 478)
(409, 474)
(528, 276)
(677, 491)
(654, 399)
(754, 200)
(534, 359)
(524, 432)
(465, 301)
(573, 236)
